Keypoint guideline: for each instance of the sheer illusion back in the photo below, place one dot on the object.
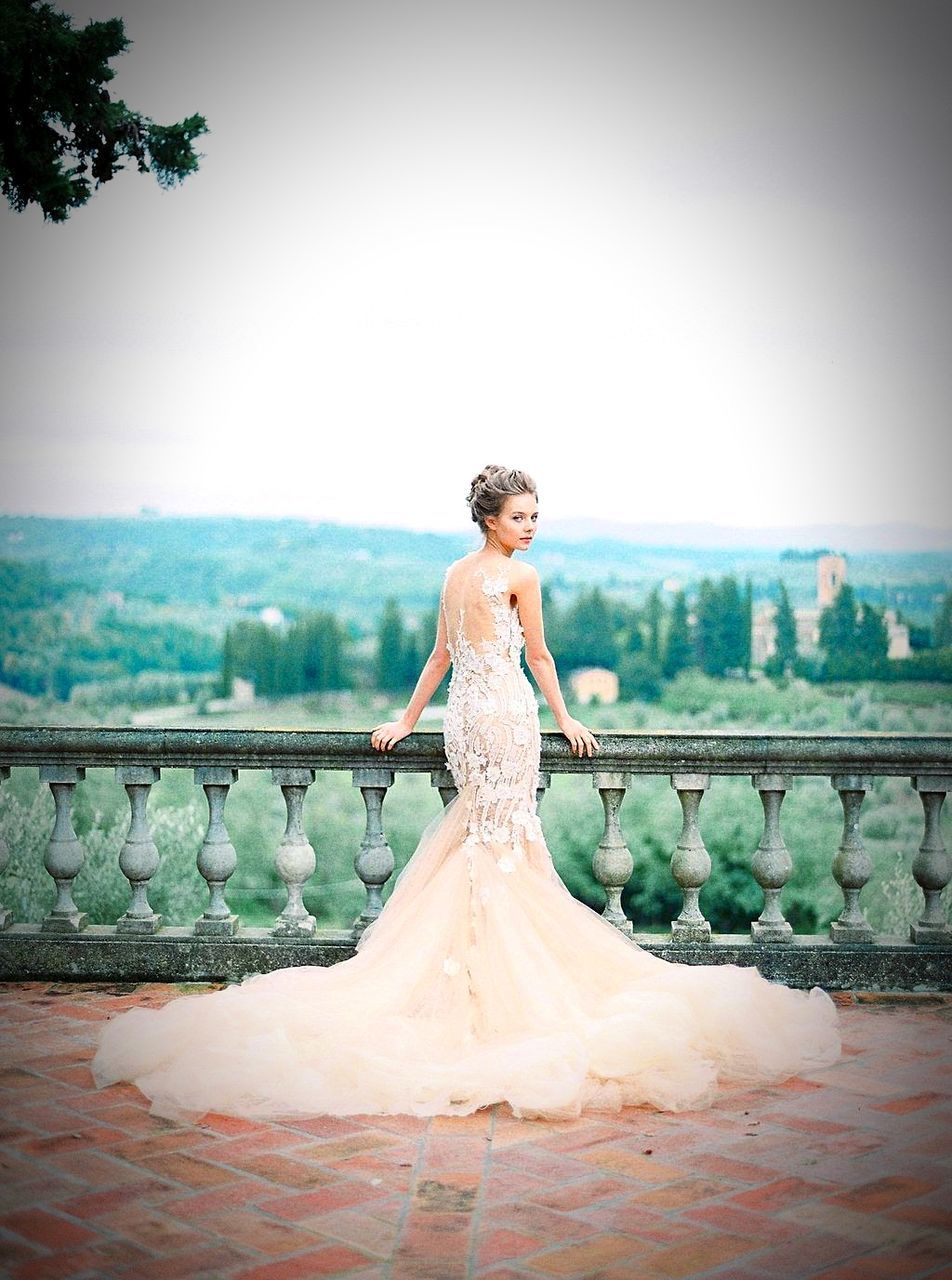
(491, 727)
(482, 980)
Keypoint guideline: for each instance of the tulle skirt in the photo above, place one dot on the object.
(482, 981)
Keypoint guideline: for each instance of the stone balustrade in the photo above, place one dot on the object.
(140, 945)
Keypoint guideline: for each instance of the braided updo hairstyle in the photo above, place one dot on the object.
(490, 489)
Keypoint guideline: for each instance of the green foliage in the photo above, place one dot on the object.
(654, 615)
(50, 647)
(145, 689)
(586, 636)
(786, 651)
(838, 624)
(678, 652)
(27, 585)
(854, 639)
(722, 633)
(400, 652)
(639, 678)
(60, 131)
(748, 625)
(309, 656)
(933, 664)
(872, 638)
(64, 634)
(391, 663)
(942, 627)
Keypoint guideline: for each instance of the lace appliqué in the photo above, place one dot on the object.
(491, 732)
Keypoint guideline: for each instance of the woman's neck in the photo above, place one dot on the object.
(491, 546)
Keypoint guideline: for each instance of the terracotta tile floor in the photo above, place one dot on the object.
(841, 1175)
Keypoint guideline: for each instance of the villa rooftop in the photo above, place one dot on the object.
(842, 1174)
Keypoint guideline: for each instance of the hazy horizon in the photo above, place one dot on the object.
(895, 537)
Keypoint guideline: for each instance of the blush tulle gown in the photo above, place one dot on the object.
(482, 980)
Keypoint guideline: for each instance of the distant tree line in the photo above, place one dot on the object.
(307, 657)
(54, 638)
(650, 644)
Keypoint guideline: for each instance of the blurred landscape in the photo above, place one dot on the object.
(155, 620)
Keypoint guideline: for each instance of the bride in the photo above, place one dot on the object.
(482, 980)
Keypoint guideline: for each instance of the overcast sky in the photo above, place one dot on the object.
(680, 261)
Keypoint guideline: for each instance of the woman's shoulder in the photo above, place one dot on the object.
(523, 573)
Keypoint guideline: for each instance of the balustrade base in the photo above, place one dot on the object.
(931, 935)
(840, 933)
(226, 927)
(65, 924)
(100, 954)
(771, 934)
(301, 930)
(687, 931)
(139, 924)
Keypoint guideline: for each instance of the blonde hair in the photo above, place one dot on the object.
(490, 489)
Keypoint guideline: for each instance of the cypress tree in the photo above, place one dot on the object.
(786, 623)
(942, 627)
(678, 646)
(872, 635)
(708, 630)
(838, 625)
(589, 634)
(654, 613)
(748, 625)
(390, 664)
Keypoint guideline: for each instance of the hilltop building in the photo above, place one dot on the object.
(830, 576)
(589, 683)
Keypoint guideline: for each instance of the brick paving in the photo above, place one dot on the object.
(843, 1174)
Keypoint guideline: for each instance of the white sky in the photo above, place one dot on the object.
(680, 261)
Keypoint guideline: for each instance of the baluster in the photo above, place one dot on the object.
(217, 858)
(295, 859)
(442, 779)
(613, 863)
(374, 860)
(64, 853)
(139, 858)
(852, 866)
(932, 865)
(771, 863)
(542, 786)
(690, 862)
(6, 915)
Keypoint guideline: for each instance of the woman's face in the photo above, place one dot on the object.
(515, 526)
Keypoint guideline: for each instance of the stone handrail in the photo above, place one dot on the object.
(66, 944)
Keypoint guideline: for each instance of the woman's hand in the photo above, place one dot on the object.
(385, 735)
(580, 740)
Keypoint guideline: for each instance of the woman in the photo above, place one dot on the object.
(482, 980)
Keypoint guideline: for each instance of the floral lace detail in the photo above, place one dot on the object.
(491, 728)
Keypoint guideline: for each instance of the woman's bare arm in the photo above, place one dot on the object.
(524, 585)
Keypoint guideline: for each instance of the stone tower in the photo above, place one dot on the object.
(830, 576)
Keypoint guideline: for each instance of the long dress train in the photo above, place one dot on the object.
(482, 980)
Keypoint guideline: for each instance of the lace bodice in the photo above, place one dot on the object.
(468, 642)
(491, 728)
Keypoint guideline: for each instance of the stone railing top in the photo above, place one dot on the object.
(723, 751)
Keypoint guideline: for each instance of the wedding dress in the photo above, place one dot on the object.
(482, 980)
